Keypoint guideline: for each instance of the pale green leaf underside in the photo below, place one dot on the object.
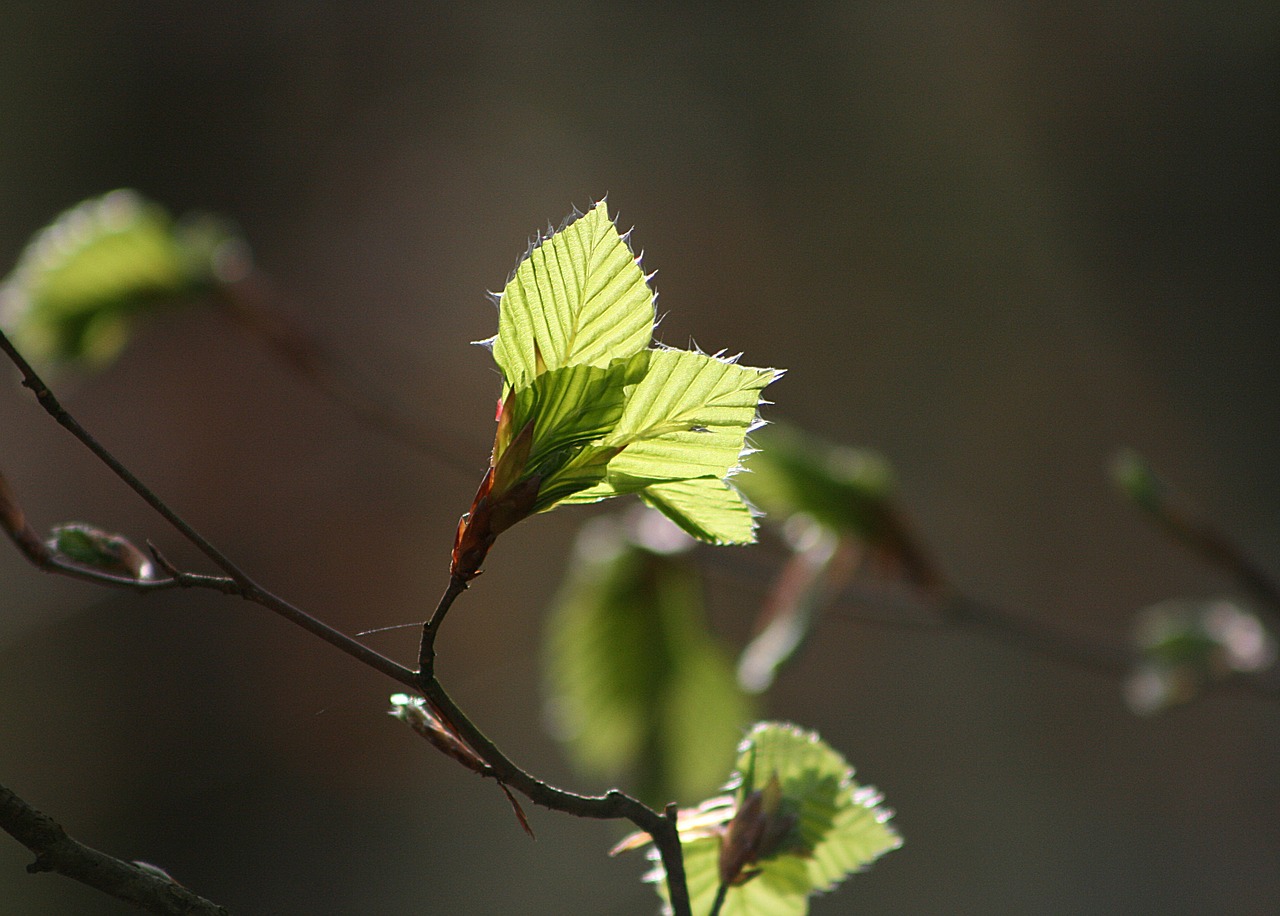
(687, 417)
(570, 406)
(579, 298)
(682, 431)
(706, 507)
(840, 823)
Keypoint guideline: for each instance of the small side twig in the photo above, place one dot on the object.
(56, 851)
(612, 805)
(1173, 512)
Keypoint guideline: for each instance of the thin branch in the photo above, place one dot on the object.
(722, 892)
(612, 805)
(237, 582)
(57, 852)
(1174, 513)
(430, 629)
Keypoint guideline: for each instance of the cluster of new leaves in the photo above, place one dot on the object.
(796, 823)
(592, 410)
(83, 280)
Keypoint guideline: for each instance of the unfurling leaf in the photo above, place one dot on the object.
(101, 550)
(591, 410)
(81, 281)
(797, 831)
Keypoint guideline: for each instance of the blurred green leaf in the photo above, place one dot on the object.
(1136, 479)
(578, 298)
(836, 827)
(1185, 646)
(637, 687)
(82, 280)
(844, 489)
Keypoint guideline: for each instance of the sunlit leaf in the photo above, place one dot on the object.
(81, 281)
(707, 508)
(570, 407)
(590, 411)
(687, 417)
(837, 827)
(579, 298)
(682, 432)
(637, 687)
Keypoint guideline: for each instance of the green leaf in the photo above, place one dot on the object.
(570, 407)
(687, 417)
(80, 282)
(1185, 646)
(682, 431)
(838, 827)
(707, 508)
(847, 490)
(578, 298)
(637, 686)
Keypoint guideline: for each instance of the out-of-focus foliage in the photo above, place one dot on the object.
(590, 410)
(844, 489)
(1186, 646)
(799, 825)
(638, 689)
(836, 508)
(83, 279)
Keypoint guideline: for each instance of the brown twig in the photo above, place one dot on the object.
(57, 852)
(1173, 512)
(612, 805)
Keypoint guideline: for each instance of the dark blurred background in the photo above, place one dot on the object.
(994, 241)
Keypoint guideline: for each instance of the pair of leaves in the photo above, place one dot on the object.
(608, 413)
(82, 280)
(833, 826)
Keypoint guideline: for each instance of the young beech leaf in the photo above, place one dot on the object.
(590, 410)
(578, 298)
(708, 508)
(800, 836)
(81, 280)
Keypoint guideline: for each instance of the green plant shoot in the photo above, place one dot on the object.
(796, 824)
(591, 409)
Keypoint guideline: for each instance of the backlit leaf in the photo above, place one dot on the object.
(708, 508)
(578, 298)
(839, 827)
